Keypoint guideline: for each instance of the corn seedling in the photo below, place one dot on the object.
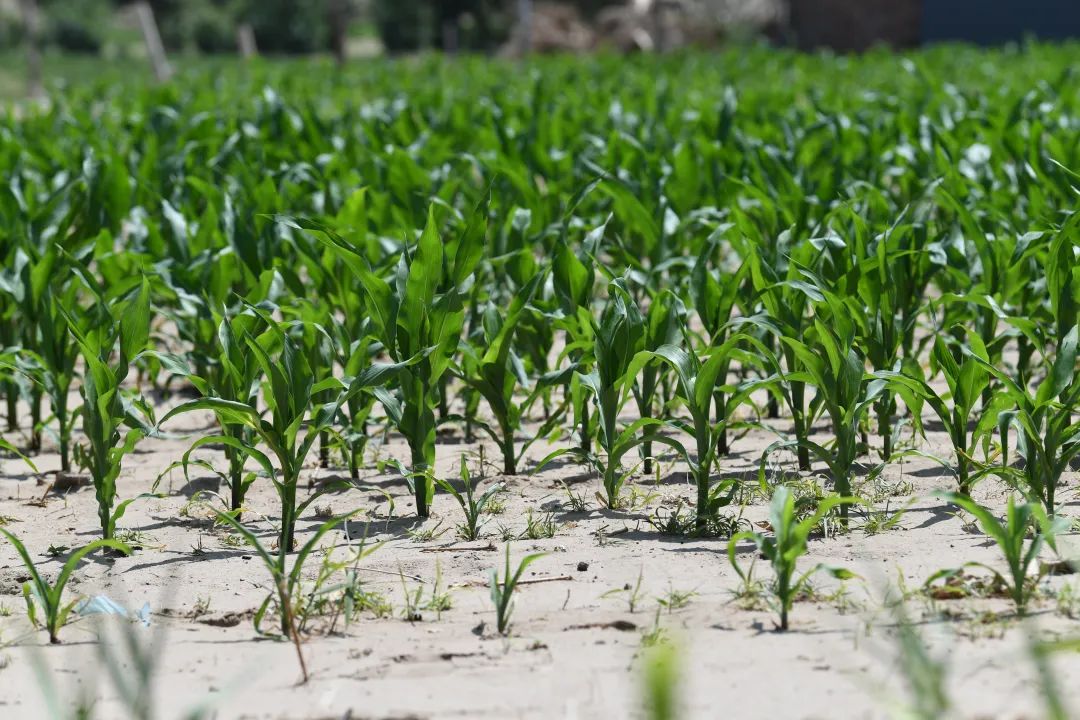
(924, 675)
(51, 353)
(830, 362)
(233, 376)
(286, 594)
(1048, 439)
(472, 506)
(539, 528)
(699, 381)
(663, 324)
(39, 593)
(418, 320)
(785, 546)
(616, 338)
(124, 325)
(966, 382)
(633, 594)
(674, 599)
(497, 373)
(1011, 537)
(503, 588)
(289, 392)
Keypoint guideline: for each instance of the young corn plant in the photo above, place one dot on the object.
(418, 318)
(38, 592)
(502, 589)
(884, 283)
(27, 384)
(312, 331)
(289, 392)
(786, 298)
(786, 545)
(232, 374)
(715, 297)
(1047, 435)
(997, 274)
(1021, 522)
(53, 352)
(573, 278)
(966, 382)
(904, 270)
(356, 350)
(664, 322)
(831, 363)
(9, 380)
(618, 337)
(699, 381)
(200, 271)
(122, 326)
(472, 506)
(498, 373)
(355, 345)
(286, 580)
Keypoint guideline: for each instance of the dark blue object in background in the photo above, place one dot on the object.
(996, 21)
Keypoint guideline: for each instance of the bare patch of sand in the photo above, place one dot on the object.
(575, 648)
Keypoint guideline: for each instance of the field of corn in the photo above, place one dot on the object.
(731, 385)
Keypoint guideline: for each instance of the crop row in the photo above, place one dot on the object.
(707, 245)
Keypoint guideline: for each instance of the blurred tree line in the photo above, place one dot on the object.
(477, 25)
(209, 26)
(287, 26)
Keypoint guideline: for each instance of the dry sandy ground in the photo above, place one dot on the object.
(576, 649)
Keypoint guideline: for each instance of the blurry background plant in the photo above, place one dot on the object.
(661, 672)
(366, 27)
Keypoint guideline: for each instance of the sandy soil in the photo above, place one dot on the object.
(576, 647)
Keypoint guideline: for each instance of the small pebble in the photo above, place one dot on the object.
(582, 566)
